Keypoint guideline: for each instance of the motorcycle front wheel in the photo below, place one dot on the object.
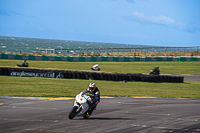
(72, 112)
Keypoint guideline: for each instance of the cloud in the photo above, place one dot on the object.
(162, 20)
(14, 13)
(4, 12)
(8, 12)
(153, 19)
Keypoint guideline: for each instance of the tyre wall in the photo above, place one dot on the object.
(68, 74)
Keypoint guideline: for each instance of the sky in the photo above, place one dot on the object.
(142, 22)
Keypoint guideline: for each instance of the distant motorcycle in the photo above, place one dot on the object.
(81, 107)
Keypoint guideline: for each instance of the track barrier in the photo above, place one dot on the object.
(98, 58)
(69, 74)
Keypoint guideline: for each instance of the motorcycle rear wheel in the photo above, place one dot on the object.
(73, 112)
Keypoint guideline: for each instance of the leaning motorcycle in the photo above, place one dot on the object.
(81, 107)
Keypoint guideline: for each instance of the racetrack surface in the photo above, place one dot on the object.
(192, 77)
(117, 115)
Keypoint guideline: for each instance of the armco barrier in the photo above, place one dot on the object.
(99, 58)
(68, 74)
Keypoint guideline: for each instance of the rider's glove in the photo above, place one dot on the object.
(81, 94)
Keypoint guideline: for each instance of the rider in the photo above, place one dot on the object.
(155, 71)
(23, 64)
(94, 94)
(96, 67)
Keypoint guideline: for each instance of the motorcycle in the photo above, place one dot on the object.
(81, 107)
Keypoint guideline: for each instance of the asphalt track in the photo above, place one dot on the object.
(190, 77)
(123, 115)
(113, 115)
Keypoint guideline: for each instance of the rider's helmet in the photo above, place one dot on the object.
(92, 87)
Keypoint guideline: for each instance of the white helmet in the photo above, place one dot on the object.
(92, 87)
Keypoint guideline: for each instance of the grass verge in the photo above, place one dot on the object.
(166, 67)
(51, 87)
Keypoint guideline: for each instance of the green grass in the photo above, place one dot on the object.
(166, 67)
(51, 87)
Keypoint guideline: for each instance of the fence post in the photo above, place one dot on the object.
(68, 51)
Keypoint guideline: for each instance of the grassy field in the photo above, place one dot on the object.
(48, 87)
(51, 87)
(166, 67)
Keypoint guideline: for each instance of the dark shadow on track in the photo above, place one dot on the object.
(106, 118)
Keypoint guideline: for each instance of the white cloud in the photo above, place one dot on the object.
(163, 20)
(153, 19)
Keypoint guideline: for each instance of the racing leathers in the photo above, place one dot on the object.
(94, 95)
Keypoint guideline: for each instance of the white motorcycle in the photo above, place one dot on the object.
(81, 107)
